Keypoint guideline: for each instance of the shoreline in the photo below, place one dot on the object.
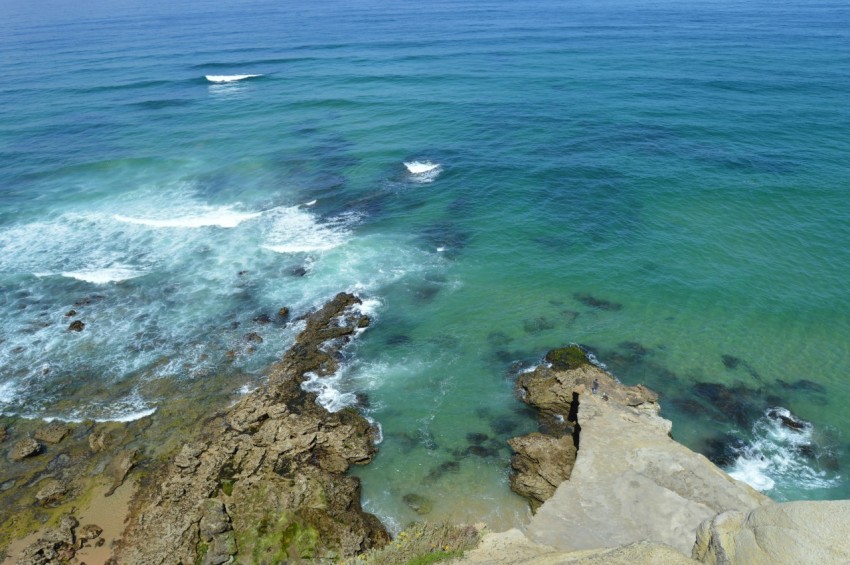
(267, 476)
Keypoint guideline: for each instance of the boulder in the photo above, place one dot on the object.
(53, 432)
(76, 326)
(51, 493)
(23, 448)
(787, 533)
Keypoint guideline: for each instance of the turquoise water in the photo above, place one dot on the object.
(662, 182)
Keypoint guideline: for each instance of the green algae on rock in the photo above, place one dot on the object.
(566, 358)
(266, 478)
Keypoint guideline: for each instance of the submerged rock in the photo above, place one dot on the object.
(599, 303)
(418, 503)
(476, 438)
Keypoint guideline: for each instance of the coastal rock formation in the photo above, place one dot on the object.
(787, 533)
(630, 481)
(541, 463)
(23, 448)
(53, 432)
(265, 481)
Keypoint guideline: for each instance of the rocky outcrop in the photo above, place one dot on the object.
(788, 533)
(541, 463)
(23, 448)
(630, 481)
(265, 481)
(60, 544)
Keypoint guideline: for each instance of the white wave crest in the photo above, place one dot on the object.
(418, 167)
(104, 276)
(224, 217)
(228, 78)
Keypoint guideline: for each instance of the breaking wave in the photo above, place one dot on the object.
(228, 78)
(784, 451)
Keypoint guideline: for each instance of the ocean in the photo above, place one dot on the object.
(664, 183)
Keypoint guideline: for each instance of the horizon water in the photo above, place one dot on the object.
(664, 183)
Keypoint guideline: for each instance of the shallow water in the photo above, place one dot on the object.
(660, 182)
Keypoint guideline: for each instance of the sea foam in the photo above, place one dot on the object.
(224, 217)
(104, 276)
(293, 230)
(775, 457)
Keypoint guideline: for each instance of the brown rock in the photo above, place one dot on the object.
(76, 326)
(23, 448)
(51, 493)
(283, 312)
(53, 432)
(70, 313)
(540, 464)
(119, 467)
(98, 440)
(278, 458)
(89, 532)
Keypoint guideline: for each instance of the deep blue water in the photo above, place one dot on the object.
(663, 182)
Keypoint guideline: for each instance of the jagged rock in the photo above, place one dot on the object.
(98, 440)
(540, 464)
(283, 312)
(253, 337)
(214, 519)
(630, 480)
(76, 326)
(278, 458)
(23, 448)
(89, 532)
(55, 546)
(787, 533)
(119, 467)
(3, 432)
(51, 493)
(418, 503)
(53, 432)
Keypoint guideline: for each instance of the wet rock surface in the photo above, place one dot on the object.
(265, 481)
